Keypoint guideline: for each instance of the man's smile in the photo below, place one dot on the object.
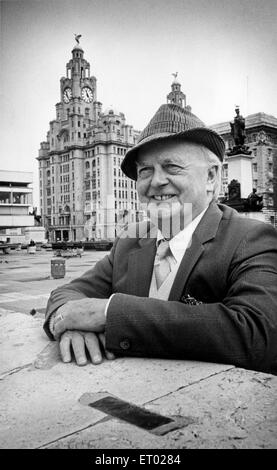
(163, 197)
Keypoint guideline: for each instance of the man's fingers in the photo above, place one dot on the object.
(109, 355)
(65, 343)
(78, 345)
(59, 328)
(93, 347)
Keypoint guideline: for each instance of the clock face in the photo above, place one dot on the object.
(87, 94)
(67, 94)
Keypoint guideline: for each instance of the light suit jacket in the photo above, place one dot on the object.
(231, 267)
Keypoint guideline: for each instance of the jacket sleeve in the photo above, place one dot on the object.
(241, 329)
(97, 282)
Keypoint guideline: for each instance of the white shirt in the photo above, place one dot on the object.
(178, 246)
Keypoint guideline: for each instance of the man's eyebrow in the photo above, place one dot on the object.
(166, 161)
(171, 160)
(143, 163)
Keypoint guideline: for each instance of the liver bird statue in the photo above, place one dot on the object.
(77, 37)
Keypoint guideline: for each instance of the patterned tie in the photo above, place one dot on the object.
(162, 265)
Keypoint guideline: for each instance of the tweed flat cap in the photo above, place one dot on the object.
(173, 122)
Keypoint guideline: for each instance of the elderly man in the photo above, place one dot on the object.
(197, 282)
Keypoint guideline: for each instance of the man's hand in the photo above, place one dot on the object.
(86, 314)
(83, 344)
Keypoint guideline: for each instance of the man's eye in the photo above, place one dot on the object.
(173, 168)
(143, 172)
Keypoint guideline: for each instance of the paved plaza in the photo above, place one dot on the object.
(26, 282)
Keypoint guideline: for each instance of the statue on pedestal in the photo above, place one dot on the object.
(255, 202)
(239, 135)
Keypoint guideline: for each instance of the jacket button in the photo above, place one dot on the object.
(125, 344)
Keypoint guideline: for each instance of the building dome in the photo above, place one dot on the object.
(77, 47)
(111, 110)
(176, 82)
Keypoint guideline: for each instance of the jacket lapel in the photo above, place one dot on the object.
(205, 231)
(140, 264)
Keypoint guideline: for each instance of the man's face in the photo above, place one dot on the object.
(173, 180)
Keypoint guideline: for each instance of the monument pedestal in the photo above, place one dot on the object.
(240, 169)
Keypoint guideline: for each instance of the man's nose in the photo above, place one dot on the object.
(159, 178)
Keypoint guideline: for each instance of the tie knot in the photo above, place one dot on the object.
(163, 249)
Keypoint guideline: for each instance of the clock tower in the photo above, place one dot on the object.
(78, 89)
(83, 193)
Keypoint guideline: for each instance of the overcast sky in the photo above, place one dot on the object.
(223, 50)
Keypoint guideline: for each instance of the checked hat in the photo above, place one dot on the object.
(173, 122)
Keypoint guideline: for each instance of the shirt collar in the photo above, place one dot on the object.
(180, 242)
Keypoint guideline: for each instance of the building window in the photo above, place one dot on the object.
(254, 166)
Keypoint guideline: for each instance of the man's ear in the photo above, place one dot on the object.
(212, 177)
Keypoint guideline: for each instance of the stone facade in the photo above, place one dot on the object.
(83, 192)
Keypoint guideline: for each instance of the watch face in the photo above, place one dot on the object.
(87, 94)
(67, 95)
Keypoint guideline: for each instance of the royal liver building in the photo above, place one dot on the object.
(83, 192)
